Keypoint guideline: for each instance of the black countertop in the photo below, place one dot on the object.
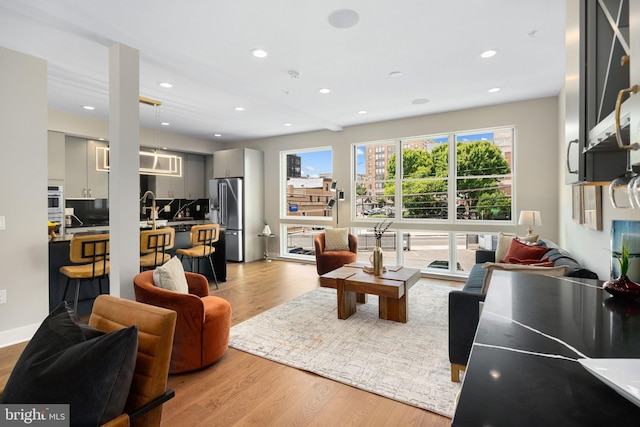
(523, 368)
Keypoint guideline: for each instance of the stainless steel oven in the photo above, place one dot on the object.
(56, 205)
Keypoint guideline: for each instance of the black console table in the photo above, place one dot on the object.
(523, 371)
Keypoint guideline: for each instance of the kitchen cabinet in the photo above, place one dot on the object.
(597, 36)
(247, 164)
(229, 163)
(191, 185)
(82, 180)
(55, 158)
(194, 173)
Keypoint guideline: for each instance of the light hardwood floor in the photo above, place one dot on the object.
(245, 390)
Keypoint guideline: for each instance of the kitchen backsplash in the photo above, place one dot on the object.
(96, 212)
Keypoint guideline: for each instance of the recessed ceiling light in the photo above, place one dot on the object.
(259, 53)
(324, 90)
(395, 74)
(362, 112)
(420, 101)
(288, 124)
(166, 85)
(343, 18)
(488, 53)
(165, 123)
(494, 90)
(217, 135)
(239, 108)
(88, 107)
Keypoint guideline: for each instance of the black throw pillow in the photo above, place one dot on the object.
(69, 362)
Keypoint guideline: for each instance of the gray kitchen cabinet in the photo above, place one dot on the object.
(194, 174)
(247, 164)
(82, 180)
(229, 163)
(55, 158)
(170, 186)
(191, 185)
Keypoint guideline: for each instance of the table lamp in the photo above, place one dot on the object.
(530, 218)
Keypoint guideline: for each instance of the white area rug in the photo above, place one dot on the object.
(405, 362)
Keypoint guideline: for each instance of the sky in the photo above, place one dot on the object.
(315, 163)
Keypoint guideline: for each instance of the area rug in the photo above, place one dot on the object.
(407, 362)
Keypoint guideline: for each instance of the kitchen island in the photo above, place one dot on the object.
(59, 256)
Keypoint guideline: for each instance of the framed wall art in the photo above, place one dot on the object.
(592, 207)
(576, 204)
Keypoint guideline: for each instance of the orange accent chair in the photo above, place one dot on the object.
(203, 323)
(327, 261)
(155, 334)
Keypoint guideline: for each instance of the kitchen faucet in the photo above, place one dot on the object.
(153, 207)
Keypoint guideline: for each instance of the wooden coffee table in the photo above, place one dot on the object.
(392, 288)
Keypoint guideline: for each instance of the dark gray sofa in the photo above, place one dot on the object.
(464, 304)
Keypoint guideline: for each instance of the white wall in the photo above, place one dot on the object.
(536, 160)
(23, 195)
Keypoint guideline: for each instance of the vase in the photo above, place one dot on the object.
(622, 287)
(377, 259)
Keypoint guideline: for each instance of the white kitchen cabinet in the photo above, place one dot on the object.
(82, 180)
(229, 163)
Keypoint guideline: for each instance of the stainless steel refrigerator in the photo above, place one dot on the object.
(226, 209)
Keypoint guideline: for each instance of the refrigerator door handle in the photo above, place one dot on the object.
(222, 198)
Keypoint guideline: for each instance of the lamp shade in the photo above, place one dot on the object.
(530, 218)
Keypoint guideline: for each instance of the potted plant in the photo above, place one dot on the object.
(622, 286)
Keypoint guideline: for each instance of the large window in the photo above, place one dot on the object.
(307, 177)
(475, 186)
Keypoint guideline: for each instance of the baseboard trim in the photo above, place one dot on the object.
(18, 335)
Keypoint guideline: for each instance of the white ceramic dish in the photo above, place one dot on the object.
(623, 375)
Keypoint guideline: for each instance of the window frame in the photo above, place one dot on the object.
(283, 199)
(452, 177)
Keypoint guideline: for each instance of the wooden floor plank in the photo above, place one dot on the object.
(246, 390)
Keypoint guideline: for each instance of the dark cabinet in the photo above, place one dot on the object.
(597, 69)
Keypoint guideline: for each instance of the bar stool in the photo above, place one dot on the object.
(202, 238)
(153, 244)
(90, 255)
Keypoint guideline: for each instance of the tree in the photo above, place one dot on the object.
(427, 198)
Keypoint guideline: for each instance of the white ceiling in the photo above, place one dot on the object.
(203, 49)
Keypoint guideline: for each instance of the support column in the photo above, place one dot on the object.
(124, 166)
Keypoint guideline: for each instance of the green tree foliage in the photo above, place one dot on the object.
(426, 198)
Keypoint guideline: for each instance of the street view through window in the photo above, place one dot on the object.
(424, 179)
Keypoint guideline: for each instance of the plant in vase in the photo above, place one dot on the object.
(622, 286)
(376, 257)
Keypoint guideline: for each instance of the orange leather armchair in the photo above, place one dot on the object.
(203, 323)
(155, 334)
(327, 261)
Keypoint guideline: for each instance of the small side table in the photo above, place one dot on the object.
(266, 245)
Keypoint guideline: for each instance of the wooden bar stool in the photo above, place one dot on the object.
(153, 244)
(90, 255)
(202, 238)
